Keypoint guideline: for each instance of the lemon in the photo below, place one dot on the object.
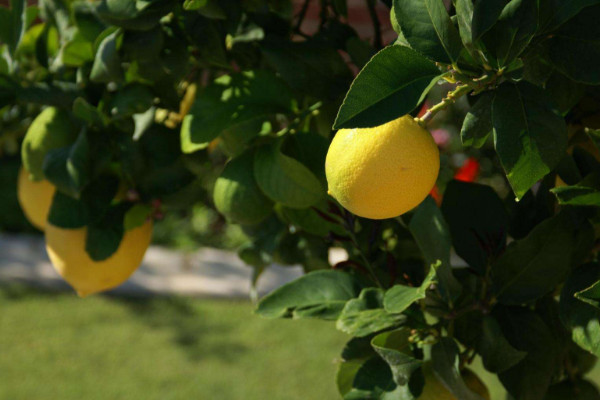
(66, 249)
(35, 199)
(435, 390)
(382, 172)
(51, 129)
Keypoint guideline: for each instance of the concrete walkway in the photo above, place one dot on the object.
(206, 272)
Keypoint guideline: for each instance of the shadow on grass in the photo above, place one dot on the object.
(192, 331)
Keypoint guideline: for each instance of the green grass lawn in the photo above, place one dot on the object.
(57, 346)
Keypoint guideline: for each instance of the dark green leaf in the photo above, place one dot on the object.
(526, 331)
(284, 179)
(365, 315)
(590, 295)
(512, 32)
(426, 25)
(485, 15)
(104, 236)
(560, 11)
(391, 85)
(77, 51)
(88, 113)
(433, 237)
(133, 15)
(312, 67)
(498, 355)
(581, 318)
(368, 379)
(575, 47)
(208, 40)
(67, 212)
(395, 348)
(400, 297)
(478, 222)
(107, 63)
(535, 265)
(444, 357)
(132, 99)
(143, 45)
(18, 23)
(584, 193)
(477, 125)
(230, 101)
(530, 136)
(564, 92)
(315, 290)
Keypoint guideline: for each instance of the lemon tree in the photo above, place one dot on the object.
(320, 136)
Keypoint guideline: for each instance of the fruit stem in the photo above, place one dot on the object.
(450, 98)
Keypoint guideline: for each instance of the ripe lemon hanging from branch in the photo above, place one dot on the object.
(382, 172)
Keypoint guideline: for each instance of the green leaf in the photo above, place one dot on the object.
(565, 92)
(18, 23)
(526, 331)
(326, 288)
(284, 179)
(426, 25)
(391, 85)
(104, 235)
(464, 14)
(400, 297)
(513, 30)
(372, 378)
(477, 125)
(444, 357)
(581, 318)
(132, 99)
(143, 45)
(208, 8)
(535, 265)
(143, 121)
(230, 101)
(433, 238)
(88, 113)
(529, 135)
(485, 15)
(88, 24)
(208, 39)
(590, 295)
(77, 51)
(575, 47)
(140, 15)
(563, 10)
(497, 354)
(395, 348)
(55, 170)
(478, 222)
(107, 63)
(312, 67)
(67, 212)
(365, 315)
(137, 216)
(584, 193)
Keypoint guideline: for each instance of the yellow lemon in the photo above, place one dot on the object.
(35, 199)
(435, 390)
(382, 172)
(66, 249)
